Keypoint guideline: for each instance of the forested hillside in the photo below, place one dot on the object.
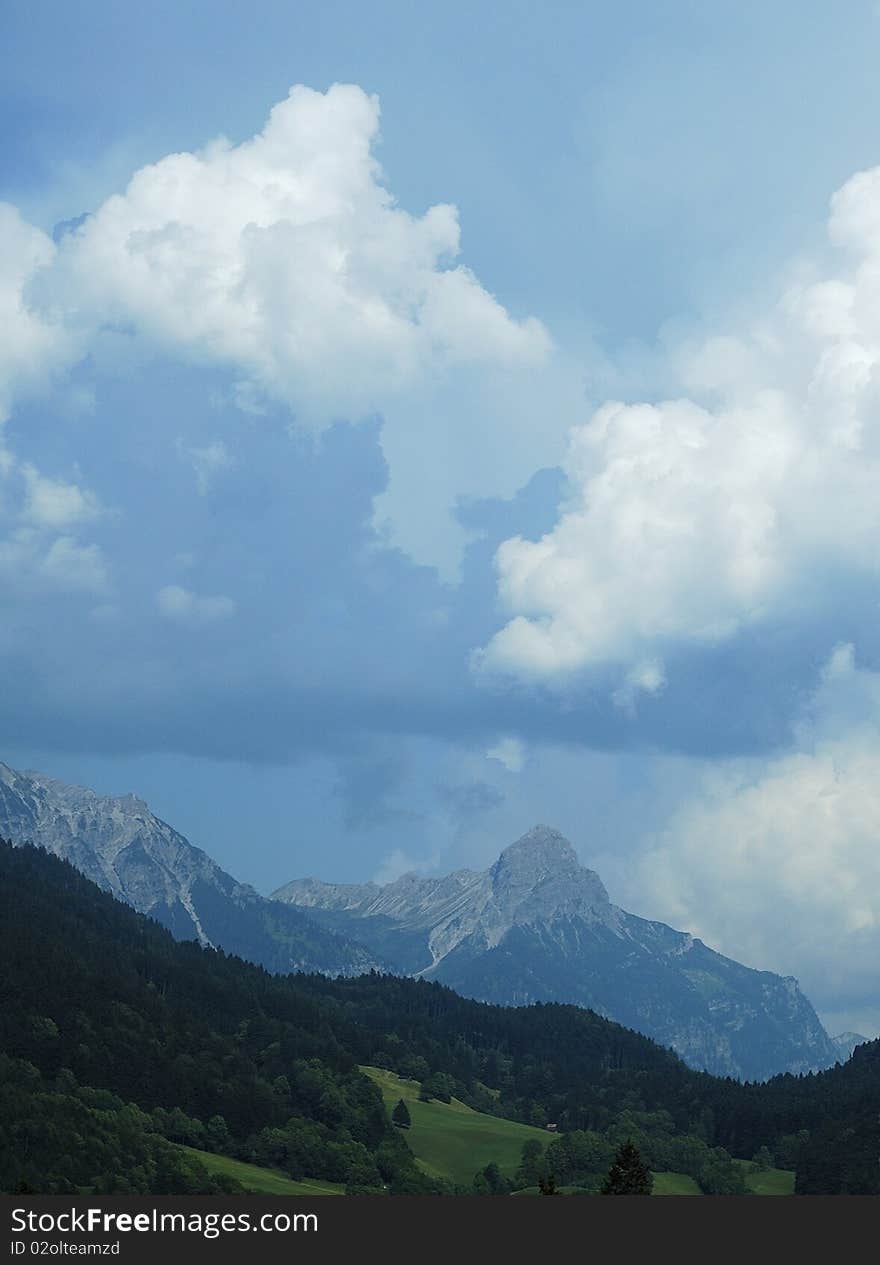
(216, 1053)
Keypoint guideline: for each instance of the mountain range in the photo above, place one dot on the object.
(120, 845)
(538, 926)
(535, 926)
(120, 1046)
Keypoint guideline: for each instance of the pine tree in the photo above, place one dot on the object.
(490, 1181)
(628, 1175)
(400, 1115)
(531, 1165)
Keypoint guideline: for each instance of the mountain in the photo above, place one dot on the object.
(119, 844)
(538, 926)
(846, 1042)
(115, 1037)
(535, 926)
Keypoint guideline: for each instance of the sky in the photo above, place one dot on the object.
(418, 422)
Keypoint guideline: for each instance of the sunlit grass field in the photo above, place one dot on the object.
(451, 1140)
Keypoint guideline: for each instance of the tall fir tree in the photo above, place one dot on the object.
(628, 1174)
(400, 1115)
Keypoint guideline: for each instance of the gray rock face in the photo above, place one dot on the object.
(846, 1042)
(532, 881)
(119, 844)
(538, 926)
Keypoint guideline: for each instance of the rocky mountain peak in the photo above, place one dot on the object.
(539, 926)
(47, 794)
(117, 842)
(540, 849)
(543, 864)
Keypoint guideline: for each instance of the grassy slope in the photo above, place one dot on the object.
(261, 1181)
(452, 1140)
(675, 1184)
(768, 1181)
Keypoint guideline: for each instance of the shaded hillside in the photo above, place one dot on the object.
(225, 1057)
(217, 1053)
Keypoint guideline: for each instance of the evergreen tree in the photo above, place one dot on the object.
(400, 1115)
(440, 1086)
(490, 1181)
(547, 1185)
(628, 1174)
(531, 1165)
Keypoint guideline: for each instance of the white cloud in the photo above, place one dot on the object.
(286, 258)
(35, 347)
(7, 461)
(33, 560)
(207, 462)
(398, 863)
(286, 261)
(52, 503)
(70, 565)
(32, 346)
(39, 551)
(510, 752)
(692, 519)
(647, 677)
(778, 864)
(180, 604)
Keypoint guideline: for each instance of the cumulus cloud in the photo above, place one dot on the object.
(778, 865)
(285, 263)
(54, 503)
(286, 259)
(33, 346)
(647, 677)
(39, 551)
(32, 563)
(693, 519)
(71, 565)
(180, 604)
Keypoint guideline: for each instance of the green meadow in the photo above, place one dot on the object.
(768, 1181)
(674, 1184)
(260, 1181)
(451, 1140)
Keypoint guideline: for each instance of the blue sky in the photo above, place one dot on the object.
(489, 438)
